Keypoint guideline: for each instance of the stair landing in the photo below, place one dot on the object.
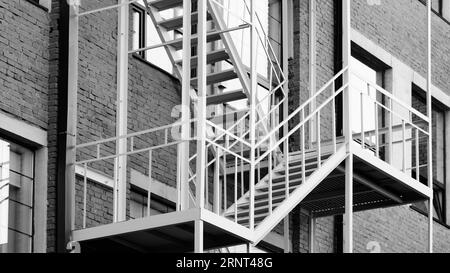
(172, 232)
(377, 185)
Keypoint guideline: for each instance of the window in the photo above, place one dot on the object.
(439, 162)
(440, 7)
(145, 34)
(16, 198)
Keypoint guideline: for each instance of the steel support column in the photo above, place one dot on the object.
(183, 148)
(198, 240)
(120, 166)
(201, 106)
(430, 128)
(285, 64)
(253, 102)
(348, 217)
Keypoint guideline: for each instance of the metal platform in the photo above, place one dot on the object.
(172, 232)
(376, 185)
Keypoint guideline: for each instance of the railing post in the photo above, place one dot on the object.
(150, 181)
(183, 149)
(201, 110)
(348, 217)
(430, 128)
(253, 102)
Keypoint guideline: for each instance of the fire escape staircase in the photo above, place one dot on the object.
(287, 181)
(282, 180)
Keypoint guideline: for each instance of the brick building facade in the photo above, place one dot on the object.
(389, 37)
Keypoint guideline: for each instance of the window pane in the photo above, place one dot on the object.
(19, 208)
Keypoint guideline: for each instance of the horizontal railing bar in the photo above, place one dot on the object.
(131, 153)
(399, 116)
(391, 96)
(103, 141)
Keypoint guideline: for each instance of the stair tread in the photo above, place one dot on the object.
(226, 97)
(166, 4)
(211, 36)
(177, 21)
(212, 57)
(217, 77)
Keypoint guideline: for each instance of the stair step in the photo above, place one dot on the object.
(261, 203)
(226, 97)
(278, 192)
(166, 4)
(245, 220)
(217, 77)
(213, 57)
(177, 22)
(298, 168)
(212, 36)
(293, 176)
(259, 210)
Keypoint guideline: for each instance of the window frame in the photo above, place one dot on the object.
(437, 185)
(30, 154)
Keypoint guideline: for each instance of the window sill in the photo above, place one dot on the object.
(426, 215)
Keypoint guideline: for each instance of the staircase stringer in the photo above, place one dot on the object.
(171, 52)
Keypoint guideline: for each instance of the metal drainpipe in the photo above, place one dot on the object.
(63, 59)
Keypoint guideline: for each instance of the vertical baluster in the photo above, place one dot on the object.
(166, 136)
(391, 134)
(417, 156)
(216, 203)
(242, 160)
(85, 196)
(150, 180)
(206, 193)
(235, 189)
(333, 118)
(403, 146)
(303, 140)
(319, 140)
(132, 144)
(377, 132)
(363, 145)
(225, 180)
(98, 151)
(270, 183)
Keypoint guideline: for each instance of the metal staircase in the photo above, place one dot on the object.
(278, 177)
(260, 160)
